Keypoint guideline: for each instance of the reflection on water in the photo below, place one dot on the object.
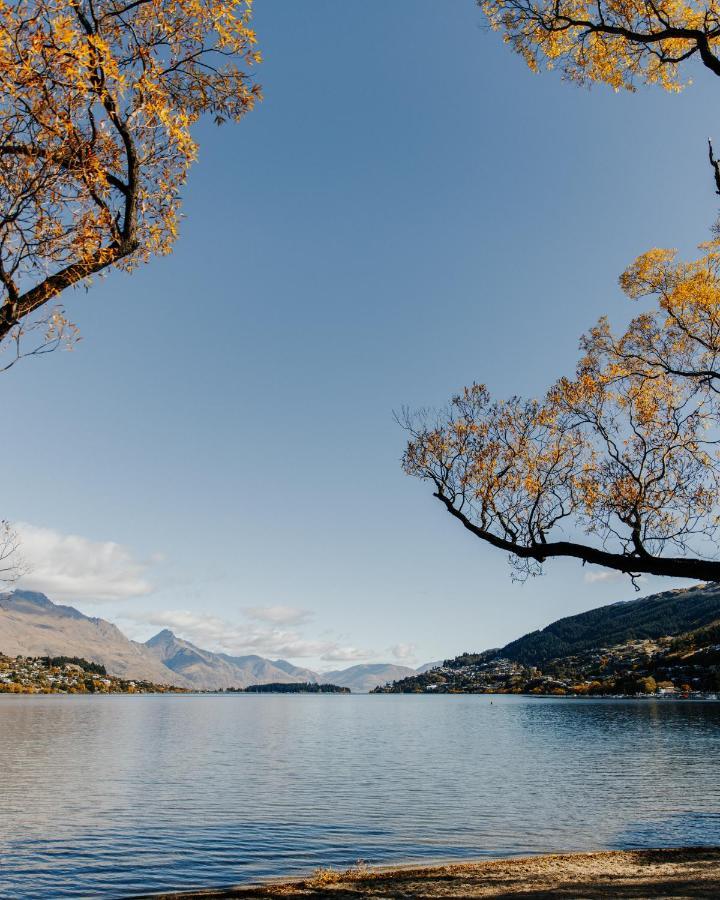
(113, 796)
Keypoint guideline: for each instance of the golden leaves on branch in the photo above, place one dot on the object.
(617, 42)
(626, 450)
(97, 106)
(618, 464)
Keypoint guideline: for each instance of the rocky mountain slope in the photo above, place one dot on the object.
(212, 671)
(362, 679)
(32, 625)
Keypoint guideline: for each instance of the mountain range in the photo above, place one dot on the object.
(205, 670)
(32, 625)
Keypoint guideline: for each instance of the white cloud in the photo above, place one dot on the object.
(278, 615)
(346, 654)
(240, 639)
(404, 652)
(68, 567)
(593, 576)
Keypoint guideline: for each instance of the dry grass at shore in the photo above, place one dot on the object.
(637, 874)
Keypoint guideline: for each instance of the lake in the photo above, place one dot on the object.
(120, 795)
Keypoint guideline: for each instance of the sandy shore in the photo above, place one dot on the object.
(688, 872)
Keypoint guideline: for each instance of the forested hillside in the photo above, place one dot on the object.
(668, 613)
(613, 649)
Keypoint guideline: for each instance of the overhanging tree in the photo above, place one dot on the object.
(619, 465)
(11, 567)
(620, 43)
(97, 102)
(98, 99)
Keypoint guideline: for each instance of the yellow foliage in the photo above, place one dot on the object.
(617, 42)
(97, 105)
(626, 450)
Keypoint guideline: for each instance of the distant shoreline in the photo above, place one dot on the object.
(185, 692)
(677, 872)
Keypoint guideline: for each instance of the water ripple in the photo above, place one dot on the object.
(115, 796)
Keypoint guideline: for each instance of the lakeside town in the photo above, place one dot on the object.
(652, 667)
(75, 675)
(68, 675)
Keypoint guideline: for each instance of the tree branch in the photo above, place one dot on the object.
(12, 312)
(715, 166)
(678, 567)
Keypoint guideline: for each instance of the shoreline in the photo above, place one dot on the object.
(696, 697)
(681, 872)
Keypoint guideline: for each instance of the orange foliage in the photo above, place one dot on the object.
(625, 451)
(97, 103)
(618, 42)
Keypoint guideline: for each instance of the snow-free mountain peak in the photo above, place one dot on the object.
(32, 625)
(162, 637)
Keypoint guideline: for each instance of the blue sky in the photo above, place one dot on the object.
(409, 210)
